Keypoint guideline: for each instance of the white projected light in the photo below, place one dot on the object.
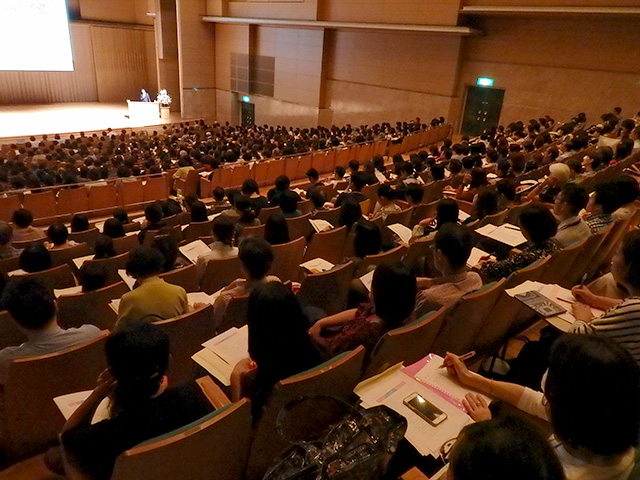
(35, 36)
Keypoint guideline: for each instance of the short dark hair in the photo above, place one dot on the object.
(113, 228)
(504, 448)
(415, 192)
(35, 258)
(30, 303)
(289, 201)
(358, 181)
(121, 214)
(354, 165)
(22, 218)
(153, 212)
(276, 229)
(57, 233)
(385, 191)
(447, 211)
(575, 196)
(507, 188)
(93, 276)
(250, 186)
(144, 262)
(394, 292)
(103, 247)
(6, 233)
(198, 212)
(313, 174)
(437, 171)
(539, 222)
(627, 189)
(318, 198)
(606, 195)
(79, 223)
(223, 229)
(367, 239)
(455, 242)
(340, 171)
(593, 367)
(218, 193)
(282, 183)
(256, 256)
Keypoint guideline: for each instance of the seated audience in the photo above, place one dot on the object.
(154, 217)
(393, 292)
(621, 322)
(219, 197)
(6, 236)
(103, 247)
(414, 194)
(275, 194)
(222, 247)
(385, 205)
(314, 179)
(506, 189)
(276, 230)
(35, 258)
(167, 245)
(580, 367)
(569, 202)
(289, 204)
(92, 276)
(33, 307)
(58, 236)
(279, 345)
(113, 228)
(198, 212)
(504, 448)
(256, 256)
(79, 223)
(546, 191)
(602, 203)
(628, 192)
(121, 214)
(350, 213)
(367, 240)
(142, 404)
(24, 231)
(453, 244)
(358, 182)
(476, 180)
(248, 216)
(447, 211)
(485, 203)
(151, 298)
(539, 226)
(251, 189)
(318, 200)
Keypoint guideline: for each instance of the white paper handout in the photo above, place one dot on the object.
(201, 297)
(68, 404)
(194, 249)
(320, 225)
(223, 352)
(317, 265)
(78, 262)
(506, 233)
(367, 279)
(476, 256)
(462, 216)
(392, 387)
(130, 281)
(64, 292)
(403, 232)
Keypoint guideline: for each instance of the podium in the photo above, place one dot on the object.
(143, 110)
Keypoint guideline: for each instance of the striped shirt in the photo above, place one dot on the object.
(620, 323)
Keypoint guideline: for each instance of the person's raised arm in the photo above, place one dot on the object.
(84, 413)
(509, 392)
(332, 321)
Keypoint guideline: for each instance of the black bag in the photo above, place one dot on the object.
(358, 447)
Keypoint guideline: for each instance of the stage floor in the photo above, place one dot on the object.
(20, 121)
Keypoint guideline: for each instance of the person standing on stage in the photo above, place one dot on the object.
(144, 96)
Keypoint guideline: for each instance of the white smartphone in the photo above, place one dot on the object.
(425, 409)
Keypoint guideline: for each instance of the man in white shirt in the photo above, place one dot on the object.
(33, 307)
(568, 204)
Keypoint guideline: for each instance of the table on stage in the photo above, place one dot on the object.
(142, 110)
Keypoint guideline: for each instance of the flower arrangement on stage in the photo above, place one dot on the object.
(163, 98)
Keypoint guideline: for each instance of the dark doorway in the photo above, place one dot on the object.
(482, 109)
(248, 113)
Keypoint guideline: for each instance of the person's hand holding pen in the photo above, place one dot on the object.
(456, 368)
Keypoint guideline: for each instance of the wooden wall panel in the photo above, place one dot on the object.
(423, 63)
(554, 3)
(555, 66)
(196, 58)
(294, 10)
(425, 12)
(52, 87)
(121, 63)
(119, 11)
